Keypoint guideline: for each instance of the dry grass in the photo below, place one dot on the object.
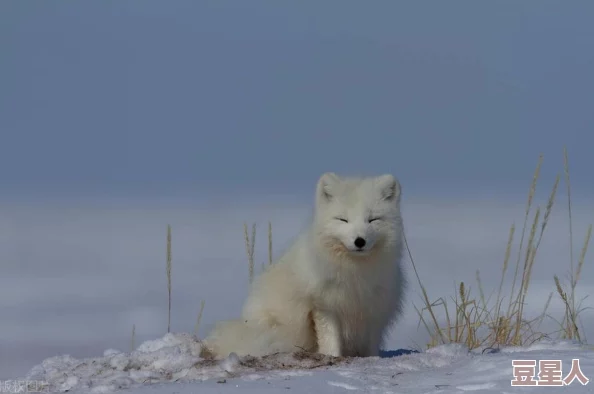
(169, 287)
(133, 339)
(199, 318)
(269, 243)
(250, 244)
(480, 323)
(168, 269)
(569, 324)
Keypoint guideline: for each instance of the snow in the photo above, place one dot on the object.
(172, 364)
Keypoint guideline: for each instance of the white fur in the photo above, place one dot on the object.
(324, 295)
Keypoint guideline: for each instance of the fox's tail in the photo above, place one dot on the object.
(246, 338)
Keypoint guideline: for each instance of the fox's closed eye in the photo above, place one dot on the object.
(342, 220)
(373, 219)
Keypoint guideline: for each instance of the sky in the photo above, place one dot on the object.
(118, 118)
(118, 99)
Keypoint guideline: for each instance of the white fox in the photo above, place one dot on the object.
(338, 288)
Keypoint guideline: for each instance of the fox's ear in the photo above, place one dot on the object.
(389, 187)
(325, 183)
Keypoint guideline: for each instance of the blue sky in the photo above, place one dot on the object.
(151, 97)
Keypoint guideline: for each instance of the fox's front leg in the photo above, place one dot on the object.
(328, 335)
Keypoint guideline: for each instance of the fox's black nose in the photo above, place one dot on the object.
(359, 242)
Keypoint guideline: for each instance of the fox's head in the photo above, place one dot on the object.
(358, 217)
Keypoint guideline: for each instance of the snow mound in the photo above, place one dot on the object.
(176, 357)
(167, 359)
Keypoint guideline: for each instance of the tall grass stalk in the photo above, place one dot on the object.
(269, 243)
(250, 243)
(168, 269)
(199, 318)
(133, 339)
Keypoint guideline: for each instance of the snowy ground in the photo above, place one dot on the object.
(172, 365)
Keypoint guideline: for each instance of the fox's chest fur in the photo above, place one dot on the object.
(351, 293)
(362, 299)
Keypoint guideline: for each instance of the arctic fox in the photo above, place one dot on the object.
(338, 288)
